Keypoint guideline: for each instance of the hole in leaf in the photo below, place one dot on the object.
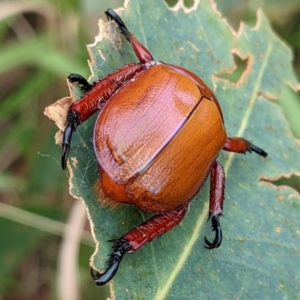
(292, 182)
(235, 75)
(187, 3)
(171, 3)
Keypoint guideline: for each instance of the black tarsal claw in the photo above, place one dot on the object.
(111, 15)
(257, 150)
(72, 122)
(81, 81)
(215, 224)
(120, 247)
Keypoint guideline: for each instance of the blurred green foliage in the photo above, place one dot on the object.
(41, 43)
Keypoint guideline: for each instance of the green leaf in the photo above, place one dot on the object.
(259, 257)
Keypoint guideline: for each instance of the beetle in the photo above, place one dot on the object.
(156, 139)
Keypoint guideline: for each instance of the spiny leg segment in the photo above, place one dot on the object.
(137, 237)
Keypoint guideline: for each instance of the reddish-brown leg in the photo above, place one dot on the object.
(137, 237)
(141, 52)
(240, 145)
(95, 97)
(217, 184)
(99, 93)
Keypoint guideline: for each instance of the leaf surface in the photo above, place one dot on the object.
(260, 256)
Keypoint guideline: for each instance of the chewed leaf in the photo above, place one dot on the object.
(260, 255)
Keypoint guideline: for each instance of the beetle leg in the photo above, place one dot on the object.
(240, 145)
(137, 237)
(120, 247)
(217, 183)
(141, 52)
(72, 122)
(81, 81)
(95, 97)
